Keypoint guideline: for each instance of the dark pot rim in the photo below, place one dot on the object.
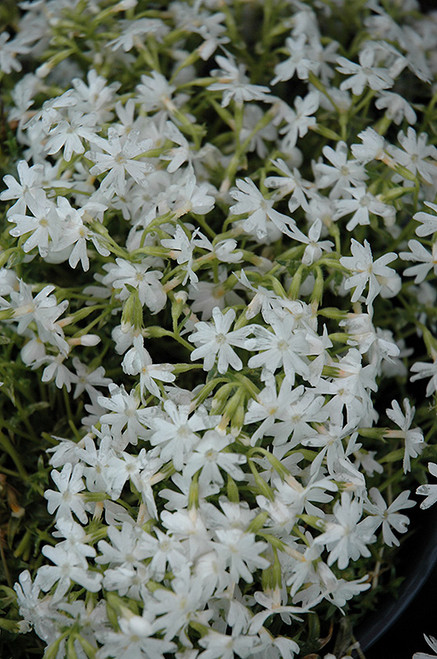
(419, 552)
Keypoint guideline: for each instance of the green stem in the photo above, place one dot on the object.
(10, 450)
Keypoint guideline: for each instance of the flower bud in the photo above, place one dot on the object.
(132, 315)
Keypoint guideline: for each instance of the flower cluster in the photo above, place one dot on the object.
(217, 258)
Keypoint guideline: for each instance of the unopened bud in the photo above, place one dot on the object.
(85, 340)
(132, 315)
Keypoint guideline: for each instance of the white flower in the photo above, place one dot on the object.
(191, 196)
(43, 309)
(120, 159)
(367, 271)
(299, 62)
(267, 408)
(141, 277)
(214, 340)
(241, 553)
(128, 546)
(361, 204)
(396, 107)
(282, 345)
(132, 30)
(234, 83)
(67, 568)
(342, 173)
(75, 233)
(346, 538)
(75, 541)
(225, 251)
(57, 371)
(339, 591)
(68, 499)
(37, 612)
(96, 472)
(429, 491)
(155, 93)
(295, 415)
(301, 498)
(168, 550)
(273, 604)
(372, 147)
(138, 361)
(26, 190)
(253, 114)
(88, 380)
(432, 642)
(69, 131)
(329, 440)
(289, 182)
(179, 499)
(263, 220)
(299, 120)
(125, 419)
(182, 249)
(415, 154)
(389, 516)
(426, 260)
(364, 74)
(175, 433)
(141, 470)
(42, 225)
(96, 96)
(135, 638)
(427, 221)
(315, 247)
(413, 437)
(209, 458)
(207, 295)
(178, 605)
(426, 370)
(222, 646)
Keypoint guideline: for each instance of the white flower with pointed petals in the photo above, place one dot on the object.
(428, 222)
(263, 220)
(426, 370)
(389, 516)
(234, 83)
(214, 340)
(141, 277)
(135, 639)
(426, 261)
(367, 271)
(314, 246)
(413, 437)
(68, 499)
(67, 568)
(41, 228)
(120, 159)
(341, 173)
(364, 74)
(427, 490)
(137, 361)
(209, 458)
(285, 346)
(347, 537)
(242, 553)
(124, 418)
(432, 642)
(416, 155)
(26, 190)
(176, 432)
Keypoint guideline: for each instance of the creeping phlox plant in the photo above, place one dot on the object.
(217, 284)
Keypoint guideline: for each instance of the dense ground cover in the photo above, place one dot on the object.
(217, 295)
